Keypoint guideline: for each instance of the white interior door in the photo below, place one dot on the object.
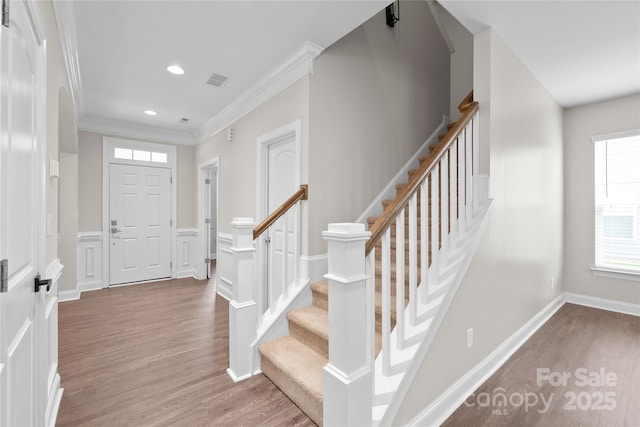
(140, 223)
(282, 236)
(21, 391)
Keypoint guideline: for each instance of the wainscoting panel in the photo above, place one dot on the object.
(224, 265)
(186, 252)
(89, 257)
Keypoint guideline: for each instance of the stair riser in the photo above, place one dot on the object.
(320, 300)
(301, 397)
(312, 340)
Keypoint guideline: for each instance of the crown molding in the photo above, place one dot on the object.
(66, 23)
(293, 68)
(133, 130)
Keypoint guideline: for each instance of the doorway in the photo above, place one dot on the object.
(138, 211)
(208, 212)
(279, 178)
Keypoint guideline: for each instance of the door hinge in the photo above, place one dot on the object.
(207, 181)
(171, 222)
(170, 180)
(207, 260)
(207, 220)
(170, 264)
(4, 275)
(5, 13)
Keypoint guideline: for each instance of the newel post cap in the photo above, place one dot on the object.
(346, 231)
(242, 223)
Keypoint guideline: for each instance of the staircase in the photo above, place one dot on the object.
(295, 362)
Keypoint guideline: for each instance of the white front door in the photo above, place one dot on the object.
(22, 390)
(282, 236)
(139, 223)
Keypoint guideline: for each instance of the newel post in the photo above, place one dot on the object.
(243, 308)
(347, 378)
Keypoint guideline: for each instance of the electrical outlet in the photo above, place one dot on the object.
(469, 337)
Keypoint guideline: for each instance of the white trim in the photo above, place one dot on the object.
(314, 268)
(389, 192)
(438, 411)
(89, 236)
(615, 135)
(108, 144)
(54, 270)
(224, 283)
(124, 129)
(53, 404)
(441, 27)
(66, 25)
(297, 65)
(201, 268)
(616, 273)
(64, 296)
(603, 304)
(186, 252)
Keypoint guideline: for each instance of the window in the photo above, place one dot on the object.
(617, 202)
(139, 155)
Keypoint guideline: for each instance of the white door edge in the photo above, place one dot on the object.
(108, 146)
(202, 211)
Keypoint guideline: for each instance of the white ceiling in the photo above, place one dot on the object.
(581, 51)
(123, 48)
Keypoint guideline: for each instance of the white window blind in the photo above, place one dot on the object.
(617, 203)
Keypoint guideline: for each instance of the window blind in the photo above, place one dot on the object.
(617, 203)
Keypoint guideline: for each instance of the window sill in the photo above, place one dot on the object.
(616, 273)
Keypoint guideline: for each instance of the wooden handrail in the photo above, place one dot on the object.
(301, 194)
(466, 102)
(394, 209)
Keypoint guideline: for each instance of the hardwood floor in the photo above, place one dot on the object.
(582, 368)
(157, 354)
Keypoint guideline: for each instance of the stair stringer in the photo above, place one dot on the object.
(390, 391)
(277, 325)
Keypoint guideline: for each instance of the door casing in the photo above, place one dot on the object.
(108, 146)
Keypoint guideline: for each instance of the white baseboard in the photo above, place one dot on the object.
(602, 303)
(223, 290)
(73, 295)
(314, 267)
(450, 400)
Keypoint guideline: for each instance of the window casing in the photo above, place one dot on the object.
(617, 202)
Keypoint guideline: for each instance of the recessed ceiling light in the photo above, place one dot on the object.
(150, 113)
(175, 69)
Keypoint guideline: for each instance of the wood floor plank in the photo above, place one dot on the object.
(576, 343)
(156, 354)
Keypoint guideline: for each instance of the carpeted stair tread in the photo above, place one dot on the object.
(296, 370)
(320, 291)
(310, 326)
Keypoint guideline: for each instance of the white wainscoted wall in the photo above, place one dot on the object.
(186, 251)
(224, 264)
(89, 253)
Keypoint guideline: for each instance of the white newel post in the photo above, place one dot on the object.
(347, 378)
(243, 308)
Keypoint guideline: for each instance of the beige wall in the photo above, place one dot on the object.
(509, 279)
(580, 124)
(375, 96)
(461, 59)
(90, 183)
(68, 220)
(238, 159)
(56, 79)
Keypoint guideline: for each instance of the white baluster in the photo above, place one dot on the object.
(444, 195)
(386, 302)
(453, 190)
(400, 222)
(424, 239)
(413, 259)
(435, 224)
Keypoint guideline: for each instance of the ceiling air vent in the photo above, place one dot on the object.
(217, 80)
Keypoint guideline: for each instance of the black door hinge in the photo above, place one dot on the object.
(5, 13)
